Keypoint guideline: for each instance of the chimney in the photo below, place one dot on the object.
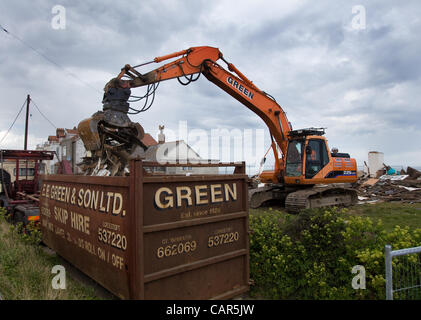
(161, 135)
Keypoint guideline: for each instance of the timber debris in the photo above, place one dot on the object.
(403, 187)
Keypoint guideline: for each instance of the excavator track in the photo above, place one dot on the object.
(318, 197)
(258, 196)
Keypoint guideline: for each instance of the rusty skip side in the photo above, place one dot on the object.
(152, 237)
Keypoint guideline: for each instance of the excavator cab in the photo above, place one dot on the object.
(310, 155)
(309, 162)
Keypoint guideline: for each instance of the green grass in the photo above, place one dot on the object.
(25, 271)
(390, 213)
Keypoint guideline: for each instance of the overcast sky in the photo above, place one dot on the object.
(316, 58)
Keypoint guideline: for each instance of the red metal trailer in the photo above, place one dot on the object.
(20, 197)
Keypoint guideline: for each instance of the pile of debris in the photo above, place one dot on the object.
(110, 147)
(402, 187)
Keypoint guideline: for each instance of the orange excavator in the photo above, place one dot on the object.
(304, 169)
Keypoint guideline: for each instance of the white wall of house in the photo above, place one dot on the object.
(50, 146)
(178, 151)
(70, 148)
(73, 150)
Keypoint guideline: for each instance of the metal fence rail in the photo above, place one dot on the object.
(403, 275)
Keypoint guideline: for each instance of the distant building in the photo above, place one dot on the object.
(69, 147)
(72, 150)
(8, 171)
(178, 151)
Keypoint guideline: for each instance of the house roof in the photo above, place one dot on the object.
(72, 131)
(60, 132)
(148, 140)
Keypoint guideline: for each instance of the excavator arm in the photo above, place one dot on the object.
(305, 159)
(202, 60)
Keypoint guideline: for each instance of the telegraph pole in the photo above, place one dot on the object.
(26, 122)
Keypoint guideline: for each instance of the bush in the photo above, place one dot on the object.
(30, 234)
(2, 213)
(311, 255)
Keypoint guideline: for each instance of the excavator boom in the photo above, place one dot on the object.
(198, 60)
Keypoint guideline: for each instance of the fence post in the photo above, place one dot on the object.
(389, 277)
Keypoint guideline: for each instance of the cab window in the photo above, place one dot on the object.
(294, 158)
(316, 157)
(22, 172)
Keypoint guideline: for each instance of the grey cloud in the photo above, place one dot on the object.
(308, 59)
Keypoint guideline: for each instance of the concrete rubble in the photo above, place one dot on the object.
(402, 187)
